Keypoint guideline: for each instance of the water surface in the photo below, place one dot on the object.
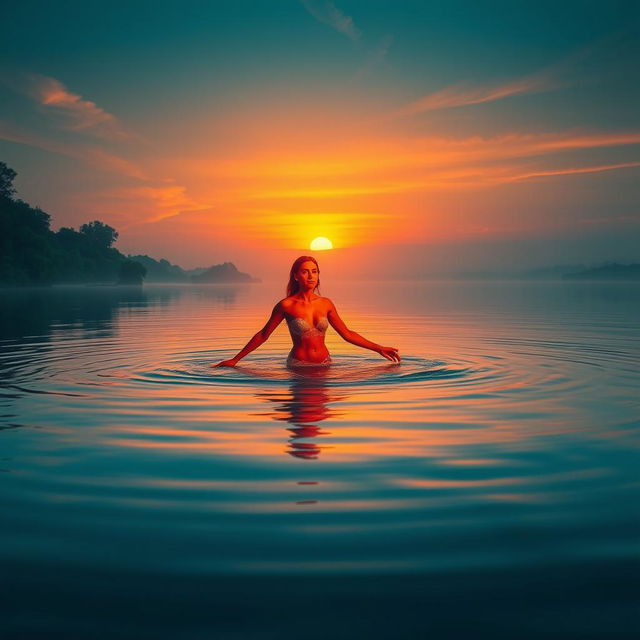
(488, 485)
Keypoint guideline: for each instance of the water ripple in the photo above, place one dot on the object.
(502, 442)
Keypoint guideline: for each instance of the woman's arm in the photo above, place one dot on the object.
(390, 353)
(277, 316)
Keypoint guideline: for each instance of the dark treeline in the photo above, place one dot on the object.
(32, 254)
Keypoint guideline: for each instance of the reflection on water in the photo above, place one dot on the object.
(39, 312)
(304, 406)
(495, 467)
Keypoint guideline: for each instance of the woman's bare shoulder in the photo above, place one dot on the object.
(326, 302)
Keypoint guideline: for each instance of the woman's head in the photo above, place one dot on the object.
(304, 273)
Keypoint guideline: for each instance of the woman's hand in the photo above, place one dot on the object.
(390, 353)
(226, 363)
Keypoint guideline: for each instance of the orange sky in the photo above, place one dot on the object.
(405, 165)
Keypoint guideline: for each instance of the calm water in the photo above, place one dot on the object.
(486, 487)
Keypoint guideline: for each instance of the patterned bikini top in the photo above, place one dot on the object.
(300, 327)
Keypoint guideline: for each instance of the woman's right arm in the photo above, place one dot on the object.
(277, 316)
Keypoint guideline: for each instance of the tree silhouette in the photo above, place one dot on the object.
(131, 272)
(30, 253)
(7, 175)
(99, 233)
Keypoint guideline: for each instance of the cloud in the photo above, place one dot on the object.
(111, 162)
(381, 157)
(157, 203)
(75, 112)
(376, 57)
(404, 166)
(464, 95)
(570, 171)
(132, 209)
(477, 149)
(71, 113)
(96, 157)
(306, 193)
(327, 13)
(589, 141)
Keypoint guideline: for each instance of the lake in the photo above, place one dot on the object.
(487, 486)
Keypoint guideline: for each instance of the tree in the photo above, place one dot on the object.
(30, 253)
(7, 176)
(101, 234)
(27, 246)
(131, 272)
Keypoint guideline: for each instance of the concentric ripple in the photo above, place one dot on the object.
(260, 369)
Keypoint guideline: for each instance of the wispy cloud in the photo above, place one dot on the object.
(93, 155)
(437, 180)
(157, 202)
(307, 193)
(376, 57)
(327, 13)
(463, 95)
(74, 112)
(111, 162)
(570, 171)
(478, 149)
(378, 157)
(427, 164)
(587, 141)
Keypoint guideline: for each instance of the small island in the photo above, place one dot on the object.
(225, 272)
(163, 271)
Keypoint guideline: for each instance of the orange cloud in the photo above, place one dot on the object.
(330, 192)
(380, 156)
(77, 113)
(461, 95)
(359, 168)
(571, 171)
(145, 204)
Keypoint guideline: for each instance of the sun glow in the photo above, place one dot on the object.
(320, 244)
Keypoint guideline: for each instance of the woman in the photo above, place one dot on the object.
(308, 316)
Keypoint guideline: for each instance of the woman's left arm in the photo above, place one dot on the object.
(390, 353)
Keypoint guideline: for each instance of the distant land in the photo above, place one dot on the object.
(612, 271)
(606, 271)
(163, 271)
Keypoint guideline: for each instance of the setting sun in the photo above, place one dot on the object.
(320, 244)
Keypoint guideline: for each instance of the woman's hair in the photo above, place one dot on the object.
(293, 286)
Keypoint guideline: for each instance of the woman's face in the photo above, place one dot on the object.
(307, 275)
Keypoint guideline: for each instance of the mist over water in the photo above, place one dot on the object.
(493, 471)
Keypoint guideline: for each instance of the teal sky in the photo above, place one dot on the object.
(205, 130)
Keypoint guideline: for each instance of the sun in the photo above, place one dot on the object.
(320, 244)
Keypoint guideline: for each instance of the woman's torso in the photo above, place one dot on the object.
(307, 322)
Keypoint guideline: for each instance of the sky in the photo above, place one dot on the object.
(421, 138)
